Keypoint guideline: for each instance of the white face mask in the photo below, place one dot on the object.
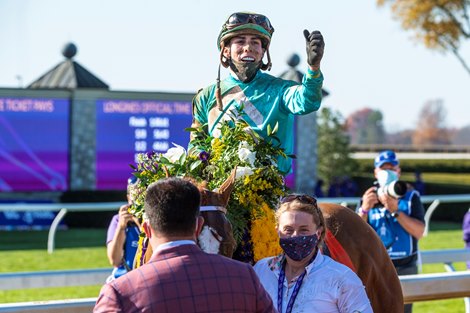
(385, 177)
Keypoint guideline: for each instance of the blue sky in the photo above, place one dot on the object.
(150, 45)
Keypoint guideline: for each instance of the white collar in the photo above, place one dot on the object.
(171, 244)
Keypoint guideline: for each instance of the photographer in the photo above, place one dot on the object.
(122, 238)
(395, 213)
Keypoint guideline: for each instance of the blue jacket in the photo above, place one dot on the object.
(398, 242)
(130, 249)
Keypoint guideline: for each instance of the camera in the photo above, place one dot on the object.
(395, 189)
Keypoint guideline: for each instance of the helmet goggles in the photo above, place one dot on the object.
(241, 18)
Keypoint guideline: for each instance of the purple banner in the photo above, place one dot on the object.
(34, 136)
(125, 128)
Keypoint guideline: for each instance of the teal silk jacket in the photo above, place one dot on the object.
(266, 100)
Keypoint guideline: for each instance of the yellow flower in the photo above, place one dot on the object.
(253, 197)
(217, 149)
(263, 233)
(138, 254)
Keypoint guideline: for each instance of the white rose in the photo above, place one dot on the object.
(243, 171)
(245, 144)
(246, 155)
(174, 154)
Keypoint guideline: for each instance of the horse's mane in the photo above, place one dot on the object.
(218, 197)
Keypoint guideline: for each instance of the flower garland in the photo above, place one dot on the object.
(258, 187)
(263, 234)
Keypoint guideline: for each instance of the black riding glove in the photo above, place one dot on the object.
(315, 47)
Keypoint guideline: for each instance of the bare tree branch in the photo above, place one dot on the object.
(466, 16)
(454, 19)
(455, 51)
(462, 61)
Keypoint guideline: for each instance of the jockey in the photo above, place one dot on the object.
(267, 101)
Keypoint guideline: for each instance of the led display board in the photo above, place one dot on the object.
(34, 144)
(125, 128)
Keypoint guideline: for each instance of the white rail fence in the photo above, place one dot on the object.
(63, 208)
(58, 306)
(88, 277)
(47, 279)
(415, 288)
(435, 200)
(438, 286)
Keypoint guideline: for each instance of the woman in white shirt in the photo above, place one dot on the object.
(302, 279)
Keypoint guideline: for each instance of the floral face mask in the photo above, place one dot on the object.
(299, 247)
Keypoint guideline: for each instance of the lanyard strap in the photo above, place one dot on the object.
(295, 292)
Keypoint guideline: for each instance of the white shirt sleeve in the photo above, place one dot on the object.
(352, 295)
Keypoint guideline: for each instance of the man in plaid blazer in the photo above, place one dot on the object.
(180, 277)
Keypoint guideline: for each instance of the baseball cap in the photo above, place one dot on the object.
(387, 156)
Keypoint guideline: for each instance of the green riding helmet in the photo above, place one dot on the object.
(246, 23)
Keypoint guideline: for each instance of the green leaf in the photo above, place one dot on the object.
(164, 160)
(194, 165)
(182, 159)
(276, 128)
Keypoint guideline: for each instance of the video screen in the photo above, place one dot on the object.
(34, 144)
(125, 128)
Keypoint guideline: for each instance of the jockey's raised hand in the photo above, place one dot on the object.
(315, 48)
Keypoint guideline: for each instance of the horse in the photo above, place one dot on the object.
(364, 253)
(216, 235)
(367, 254)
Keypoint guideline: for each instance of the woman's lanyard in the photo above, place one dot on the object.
(295, 292)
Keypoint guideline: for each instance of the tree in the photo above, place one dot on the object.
(439, 24)
(365, 126)
(462, 136)
(334, 158)
(431, 128)
(402, 137)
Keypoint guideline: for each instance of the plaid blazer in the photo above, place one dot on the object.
(186, 279)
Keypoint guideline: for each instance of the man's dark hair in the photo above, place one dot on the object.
(172, 206)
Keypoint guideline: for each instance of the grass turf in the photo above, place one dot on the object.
(441, 178)
(441, 236)
(25, 251)
(74, 249)
(72, 238)
(36, 294)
